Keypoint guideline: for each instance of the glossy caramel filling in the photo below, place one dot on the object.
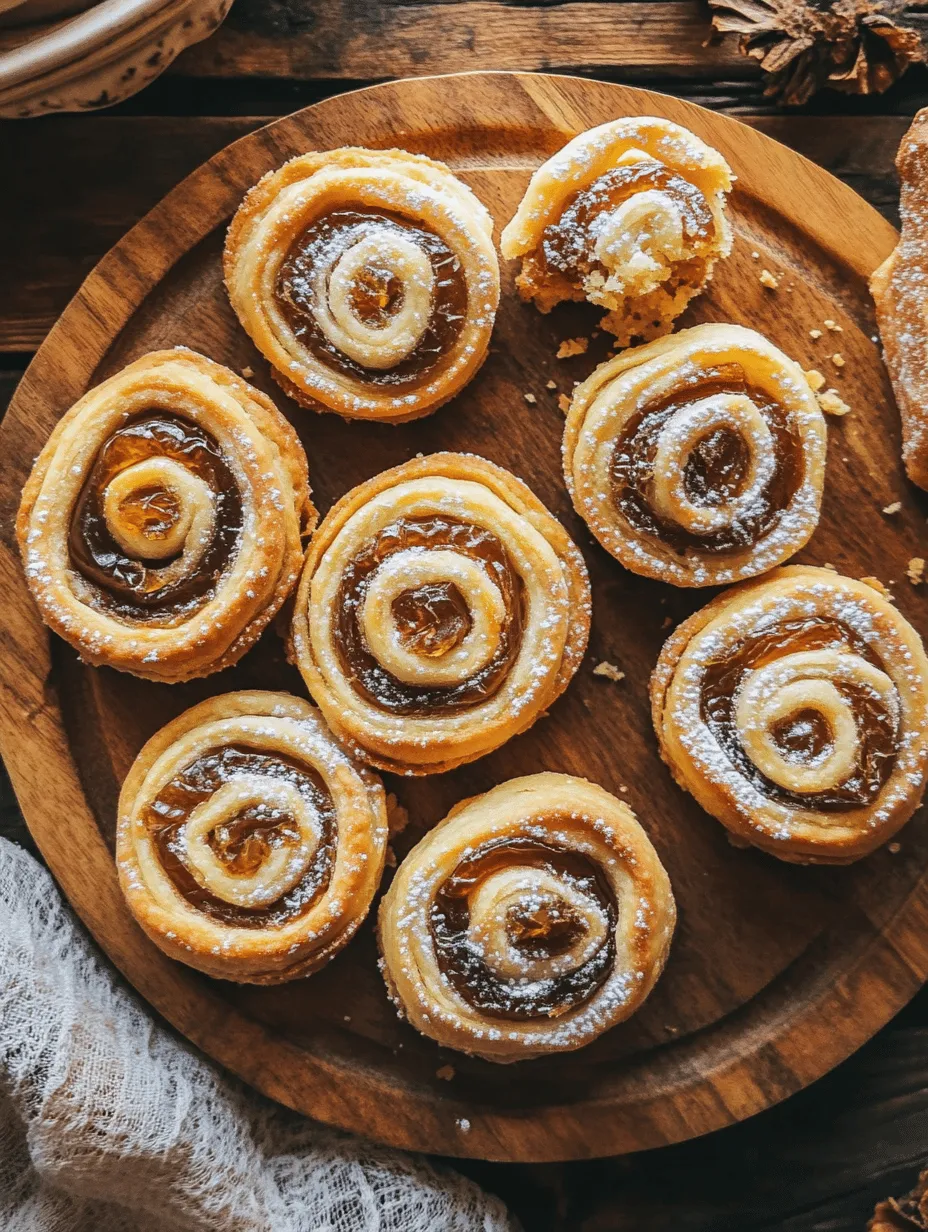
(567, 245)
(376, 295)
(716, 469)
(434, 618)
(805, 735)
(243, 843)
(132, 589)
(536, 932)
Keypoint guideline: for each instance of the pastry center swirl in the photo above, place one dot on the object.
(807, 712)
(429, 616)
(374, 295)
(627, 230)
(712, 467)
(525, 929)
(247, 837)
(157, 521)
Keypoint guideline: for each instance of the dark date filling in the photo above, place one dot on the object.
(715, 472)
(805, 735)
(376, 296)
(243, 843)
(432, 619)
(132, 589)
(537, 931)
(567, 245)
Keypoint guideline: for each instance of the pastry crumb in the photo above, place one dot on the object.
(572, 346)
(815, 379)
(833, 326)
(623, 789)
(838, 359)
(530, 399)
(833, 404)
(666, 622)
(551, 385)
(609, 671)
(397, 815)
(563, 402)
(768, 280)
(829, 565)
(894, 848)
(893, 508)
(875, 584)
(445, 1073)
(390, 857)
(815, 333)
(248, 373)
(915, 570)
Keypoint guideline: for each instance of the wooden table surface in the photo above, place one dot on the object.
(73, 186)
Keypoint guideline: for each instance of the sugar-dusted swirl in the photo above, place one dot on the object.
(697, 459)
(368, 279)
(795, 710)
(630, 216)
(249, 844)
(160, 527)
(529, 921)
(441, 610)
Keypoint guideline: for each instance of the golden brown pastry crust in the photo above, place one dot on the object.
(795, 710)
(899, 292)
(661, 402)
(419, 688)
(424, 194)
(566, 926)
(305, 915)
(166, 520)
(629, 215)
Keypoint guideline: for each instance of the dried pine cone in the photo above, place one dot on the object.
(858, 46)
(906, 1214)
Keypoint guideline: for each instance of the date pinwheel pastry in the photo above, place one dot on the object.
(249, 844)
(795, 710)
(529, 921)
(367, 278)
(161, 526)
(697, 459)
(630, 216)
(441, 610)
(899, 292)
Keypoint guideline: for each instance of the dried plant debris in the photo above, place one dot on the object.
(855, 46)
(906, 1214)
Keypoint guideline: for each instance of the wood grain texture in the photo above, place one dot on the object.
(373, 39)
(777, 973)
(73, 208)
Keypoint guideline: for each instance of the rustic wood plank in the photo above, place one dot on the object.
(364, 39)
(75, 206)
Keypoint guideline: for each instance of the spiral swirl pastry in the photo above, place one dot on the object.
(697, 459)
(795, 710)
(441, 610)
(529, 921)
(630, 216)
(249, 844)
(160, 527)
(368, 279)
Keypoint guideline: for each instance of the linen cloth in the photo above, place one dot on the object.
(108, 1123)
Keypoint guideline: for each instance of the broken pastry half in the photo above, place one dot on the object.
(898, 289)
(630, 216)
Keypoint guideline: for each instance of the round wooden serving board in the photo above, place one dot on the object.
(777, 972)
